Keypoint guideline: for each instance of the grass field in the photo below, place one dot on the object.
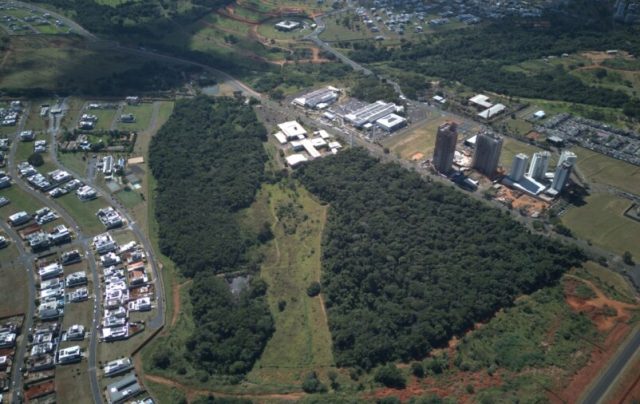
(73, 162)
(84, 212)
(601, 221)
(13, 282)
(302, 340)
(20, 200)
(421, 139)
(142, 113)
(511, 147)
(606, 170)
(105, 117)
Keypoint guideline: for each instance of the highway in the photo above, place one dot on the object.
(607, 378)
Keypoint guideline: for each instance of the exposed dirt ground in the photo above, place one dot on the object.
(417, 156)
(600, 310)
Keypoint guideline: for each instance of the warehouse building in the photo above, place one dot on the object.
(319, 99)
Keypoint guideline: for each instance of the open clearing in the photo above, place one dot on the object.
(84, 212)
(13, 282)
(420, 139)
(302, 341)
(601, 220)
(142, 113)
(609, 171)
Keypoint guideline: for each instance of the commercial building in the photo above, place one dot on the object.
(295, 160)
(539, 165)
(391, 122)
(318, 99)
(518, 167)
(492, 111)
(480, 101)
(370, 113)
(293, 130)
(487, 153)
(445, 148)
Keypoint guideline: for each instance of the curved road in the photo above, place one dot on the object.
(83, 243)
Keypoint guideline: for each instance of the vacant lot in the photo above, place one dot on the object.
(13, 282)
(20, 200)
(614, 285)
(421, 139)
(602, 222)
(302, 340)
(142, 113)
(606, 170)
(84, 212)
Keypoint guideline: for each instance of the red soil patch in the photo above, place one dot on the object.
(454, 386)
(194, 393)
(600, 311)
(417, 156)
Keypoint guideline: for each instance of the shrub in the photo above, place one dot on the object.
(35, 159)
(390, 376)
(314, 289)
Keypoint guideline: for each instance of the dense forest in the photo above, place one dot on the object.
(208, 161)
(407, 264)
(232, 330)
(476, 56)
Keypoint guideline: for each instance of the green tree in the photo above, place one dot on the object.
(35, 159)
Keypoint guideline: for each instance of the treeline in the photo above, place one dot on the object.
(476, 56)
(301, 76)
(407, 264)
(208, 161)
(371, 89)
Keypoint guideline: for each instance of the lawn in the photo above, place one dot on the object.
(511, 147)
(25, 149)
(607, 170)
(419, 139)
(84, 213)
(13, 282)
(302, 340)
(20, 200)
(130, 199)
(268, 30)
(602, 222)
(105, 117)
(73, 162)
(142, 113)
(34, 120)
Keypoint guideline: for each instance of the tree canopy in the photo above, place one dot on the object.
(407, 264)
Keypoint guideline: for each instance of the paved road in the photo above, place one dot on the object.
(70, 23)
(315, 38)
(27, 261)
(596, 393)
(83, 242)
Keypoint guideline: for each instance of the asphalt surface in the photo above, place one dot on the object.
(596, 394)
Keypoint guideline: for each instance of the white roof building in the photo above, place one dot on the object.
(391, 122)
(282, 139)
(492, 111)
(481, 100)
(296, 159)
(292, 130)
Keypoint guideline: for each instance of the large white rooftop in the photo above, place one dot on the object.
(292, 130)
